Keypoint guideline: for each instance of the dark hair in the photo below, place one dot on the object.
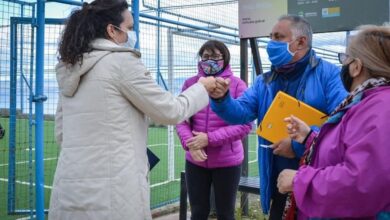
(214, 44)
(86, 24)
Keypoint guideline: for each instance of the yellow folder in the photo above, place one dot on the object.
(274, 129)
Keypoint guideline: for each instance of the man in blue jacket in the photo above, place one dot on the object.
(297, 71)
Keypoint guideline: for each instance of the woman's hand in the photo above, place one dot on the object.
(198, 141)
(198, 155)
(297, 129)
(209, 83)
(285, 180)
(221, 88)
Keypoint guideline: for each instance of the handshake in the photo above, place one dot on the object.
(215, 86)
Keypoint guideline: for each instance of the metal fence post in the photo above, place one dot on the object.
(39, 99)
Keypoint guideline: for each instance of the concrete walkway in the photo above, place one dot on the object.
(173, 216)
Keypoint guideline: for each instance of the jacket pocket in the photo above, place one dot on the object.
(84, 195)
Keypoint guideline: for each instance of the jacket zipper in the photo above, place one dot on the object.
(207, 125)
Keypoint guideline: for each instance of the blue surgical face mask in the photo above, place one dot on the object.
(131, 39)
(279, 53)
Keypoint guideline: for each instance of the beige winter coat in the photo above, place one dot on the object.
(101, 126)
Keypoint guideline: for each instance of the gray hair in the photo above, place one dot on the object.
(299, 27)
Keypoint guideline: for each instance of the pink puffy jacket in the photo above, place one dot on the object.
(225, 147)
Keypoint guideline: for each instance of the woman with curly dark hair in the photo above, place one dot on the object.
(105, 94)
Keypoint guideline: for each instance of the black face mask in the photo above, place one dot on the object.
(345, 77)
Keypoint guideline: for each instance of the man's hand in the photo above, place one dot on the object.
(283, 148)
(208, 82)
(285, 180)
(222, 86)
(198, 141)
(198, 155)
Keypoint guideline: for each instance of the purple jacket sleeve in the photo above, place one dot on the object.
(357, 186)
(230, 133)
(183, 129)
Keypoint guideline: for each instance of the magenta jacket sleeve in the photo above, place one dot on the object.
(353, 174)
(184, 133)
(183, 129)
(230, 133)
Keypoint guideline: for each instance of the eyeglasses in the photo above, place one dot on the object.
(130, 29)
(212, 57)
(343, 57)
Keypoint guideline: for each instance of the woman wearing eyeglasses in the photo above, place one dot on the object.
(214, 150)
(346, 168)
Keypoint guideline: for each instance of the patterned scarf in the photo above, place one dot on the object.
(354, 97)
(290, 210)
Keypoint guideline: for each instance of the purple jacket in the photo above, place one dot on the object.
(350, 172)
(225, 147)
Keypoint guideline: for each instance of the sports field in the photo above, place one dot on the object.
(162, 190)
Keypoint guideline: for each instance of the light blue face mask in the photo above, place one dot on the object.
(131, 39)
(279, 53)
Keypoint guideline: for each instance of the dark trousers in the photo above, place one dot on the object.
(225, 181)
(277, 206)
